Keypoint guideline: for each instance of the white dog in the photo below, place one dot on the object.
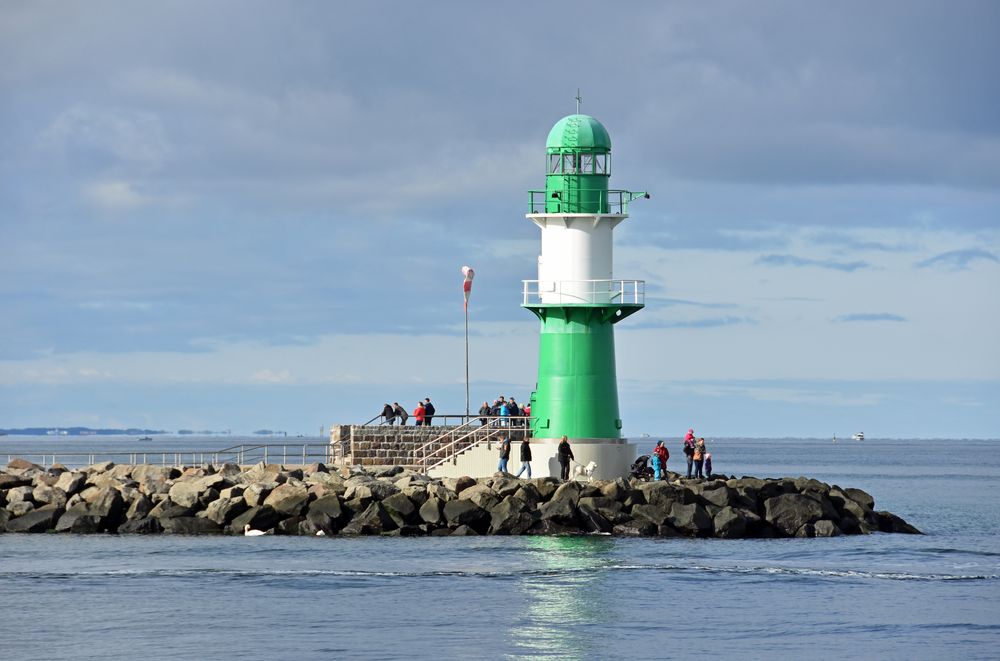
(580, 470)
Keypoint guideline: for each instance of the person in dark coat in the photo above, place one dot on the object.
(513, 411)
(388, 414)
(525, 458)
(504, 454)
(484, 412)
(565, 456)
(400, 413)
(428, 411)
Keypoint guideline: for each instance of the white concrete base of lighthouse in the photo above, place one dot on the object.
(612, 457)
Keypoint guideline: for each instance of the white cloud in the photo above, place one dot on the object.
(114, 196)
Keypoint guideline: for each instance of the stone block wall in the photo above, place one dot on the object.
(383, 445)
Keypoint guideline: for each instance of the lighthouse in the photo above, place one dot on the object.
(578, 300)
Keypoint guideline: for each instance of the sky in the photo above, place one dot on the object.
(245, 215)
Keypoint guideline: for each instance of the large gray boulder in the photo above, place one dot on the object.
(889, 522)
(224, 510)
(330, 482)
(109, 506)
(9, 481)
(825, 528)
(430, 512)
(329, 505)
(382, 489)
(288, 498)
(316, 521)
(19, 466)
(545, 486)
(594, 521)
(441, 492)
(71, 482)
(186, 493)
(568, 491)
(42, 519)
(78, 522)
(139, 507)
(730, 523)
(717, 494)
(562, 511)
(259, 518)
(619, 490)
(465, 512)
(256, 492)
(20, 508)
(416, 493)
(655, 513)
(610, 509)
(20, 494)
(861, 497)
(690, 519)
(511, 516)
(505, 486)
(482, 495)
(374, 520)
(401, 509)
(789, 512)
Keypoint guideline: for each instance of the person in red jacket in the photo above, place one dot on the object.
(662, 454)
(418, 414)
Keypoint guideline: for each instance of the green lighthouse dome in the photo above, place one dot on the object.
(578, 133)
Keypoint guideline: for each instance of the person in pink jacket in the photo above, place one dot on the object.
(689, 450)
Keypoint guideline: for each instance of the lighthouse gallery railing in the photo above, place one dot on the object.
(584, 292)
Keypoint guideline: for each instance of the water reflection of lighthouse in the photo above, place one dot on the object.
(577, 299)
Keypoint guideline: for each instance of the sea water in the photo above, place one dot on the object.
(934, 596)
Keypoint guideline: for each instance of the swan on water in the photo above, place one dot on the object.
(252, 533)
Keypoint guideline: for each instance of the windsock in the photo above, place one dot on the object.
(467, 285)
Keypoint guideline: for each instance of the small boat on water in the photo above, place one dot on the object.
(146, 438)
(859, 436)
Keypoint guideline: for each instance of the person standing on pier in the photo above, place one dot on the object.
(400, 413)
(565, 456)
(699, 457)
(418, 414)
(428, 411)
(662, 454)
(389, 414)
(484, 412)
(525, 458)
(689, 450)
(504, 454)
(513, 411)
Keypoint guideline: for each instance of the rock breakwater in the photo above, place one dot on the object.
(144, 499)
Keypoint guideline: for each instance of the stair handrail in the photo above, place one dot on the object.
(451, 449)
(495, 425)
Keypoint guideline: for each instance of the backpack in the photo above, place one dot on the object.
(688, 449)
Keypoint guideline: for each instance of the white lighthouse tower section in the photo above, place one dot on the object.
(576, 264)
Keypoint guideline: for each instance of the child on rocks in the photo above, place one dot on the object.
(708, 464)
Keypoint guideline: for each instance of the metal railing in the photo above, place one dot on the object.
(244, 455)
(584, 292)
(446, 447)
(576, 199)
(438, 420)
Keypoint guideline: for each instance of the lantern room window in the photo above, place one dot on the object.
(578, 164)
